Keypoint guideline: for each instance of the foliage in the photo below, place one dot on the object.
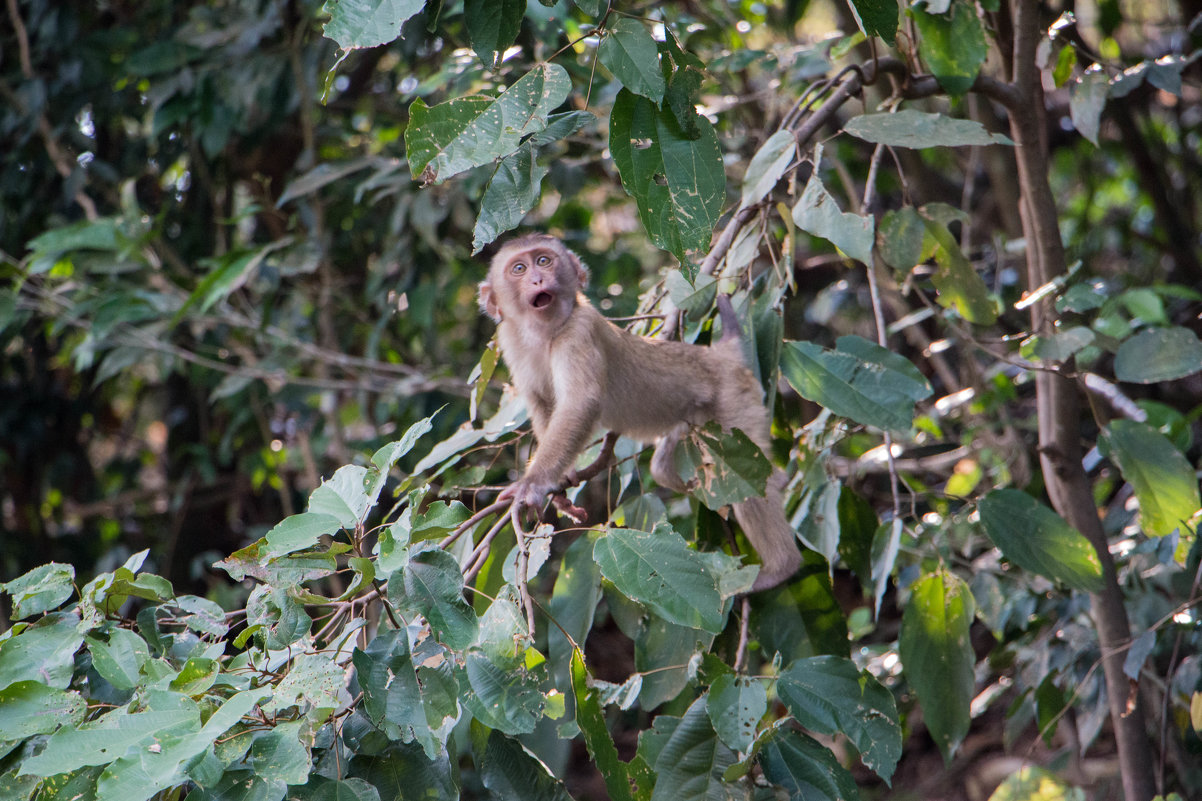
(246, 235)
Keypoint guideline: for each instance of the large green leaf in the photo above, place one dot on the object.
(735, 705)
(900, 238)
(300, 531)
(367, 23)
(1164, 481)
(818, 213)
(919, 129)
(958, 285)
(1158, 354)
(767, 166)
(877, 18)
(457, 135)
(493, 25)
(859, 380)
(512, 192)
(30, 707)
(502, 695)
(40, 590)
(806, 769)
(119, 656)
(660, 570)
(43, 652)
(1037, 539)
(829, 694)
(392, 696)
(727, 466)
(937, 656)
(953, 45)
(431, 585)
(691, 763)
(511, 773)
(591, 720)
(400, 769)
(678, 183)
(104, 739)
(629, 52)
(280, 756)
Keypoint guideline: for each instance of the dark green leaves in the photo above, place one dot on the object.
(629, 52)
(806, 769)
(952, 45)
(451, 137)
(676, 181)
(828, 694)
(367, 23)
(1158, 354)
(492, 26)
(660, 570)
(918, 129)
(514, 190)
(728, 466)
(858, 379)
(1037, 539)
(937, 656)
(432, 585)
(1163, 479)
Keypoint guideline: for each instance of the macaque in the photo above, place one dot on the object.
(577, 371)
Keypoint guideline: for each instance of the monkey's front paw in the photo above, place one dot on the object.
(527, 494)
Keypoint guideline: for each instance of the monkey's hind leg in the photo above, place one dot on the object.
(663, 461)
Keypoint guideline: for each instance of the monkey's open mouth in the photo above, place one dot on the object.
(542, 300)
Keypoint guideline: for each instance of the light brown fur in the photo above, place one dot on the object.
(577, 371)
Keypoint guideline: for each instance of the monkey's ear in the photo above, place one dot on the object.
(488, 301)
(581, 270)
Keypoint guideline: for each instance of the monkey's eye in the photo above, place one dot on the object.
(542, 261)
(518, 268)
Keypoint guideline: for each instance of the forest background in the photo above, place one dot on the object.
(250, 410)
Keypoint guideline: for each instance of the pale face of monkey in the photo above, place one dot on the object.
(534, 278)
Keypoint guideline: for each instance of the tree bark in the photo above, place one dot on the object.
(1059, 408)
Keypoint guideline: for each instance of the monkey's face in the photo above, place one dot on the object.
(534, 278)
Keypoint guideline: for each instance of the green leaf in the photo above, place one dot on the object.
(342, 496)
(300, 531)
(817, 213)
(492, 26)
(1163, 479)
(678, 183)
(388, 455)
(396, 772)
(512, 192)
(663, 652)
(40, 590)
(392, 696)
(629, 52)
(831, 695)
(767, 166)
(952, 46)
(451, 137)
(920, 129)
(694, 299)
(591, 720)
(119, 657)
(958, 285)
(367, 23)
(937, 656)
(241, 785)
(692, 761)
(502, 696)
(877, 18)
(279, 756)
(512, 773)
(1037, 539)
(660, 570)
(1087, 101)
(44, 651)
(561, 126)
(314, 679)
(727, 467)
(1158, 354)
(112, 735)
(806, 769)
(900, 238)
(859, 380)
(30, 707)
(735, 705)
(432, 586)
(1062, 346)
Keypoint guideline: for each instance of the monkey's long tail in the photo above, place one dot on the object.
(763, 521)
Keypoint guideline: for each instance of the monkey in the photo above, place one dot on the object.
(576, 371)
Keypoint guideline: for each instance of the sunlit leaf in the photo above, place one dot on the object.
(367, 23)
(953, 46)
(1163, 479)
(1037, 539)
